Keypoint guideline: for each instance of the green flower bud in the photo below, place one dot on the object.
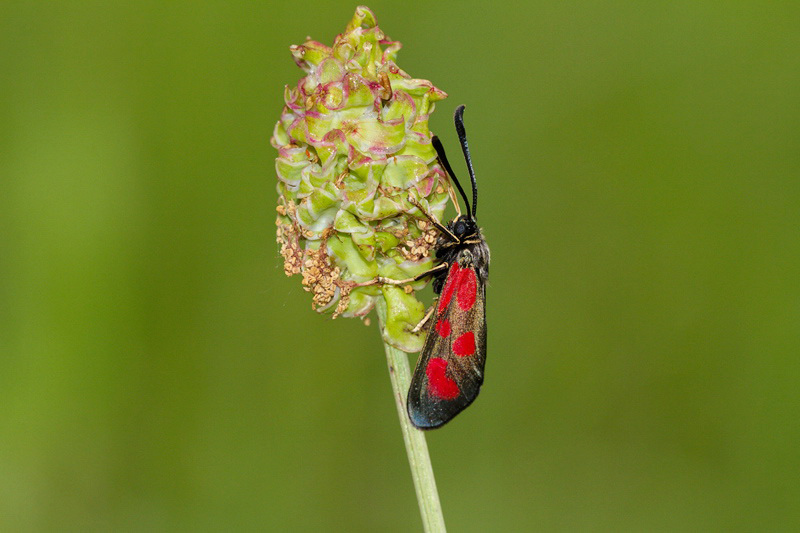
(354, 160)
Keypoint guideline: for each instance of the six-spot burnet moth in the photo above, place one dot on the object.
(449, 371)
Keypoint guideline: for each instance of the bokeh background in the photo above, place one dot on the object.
(640, 190)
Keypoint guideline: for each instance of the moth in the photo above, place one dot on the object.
(449, 371)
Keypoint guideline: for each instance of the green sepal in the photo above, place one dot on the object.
(385, 241)
(404, 170)
(402, 312)
(349, 256)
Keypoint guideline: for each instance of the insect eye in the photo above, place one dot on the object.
(460, 228)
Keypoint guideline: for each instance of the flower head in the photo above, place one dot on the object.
(354, 161)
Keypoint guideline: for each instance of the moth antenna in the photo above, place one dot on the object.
(462, 136)
(437, 145)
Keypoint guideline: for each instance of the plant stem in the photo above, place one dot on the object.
(417, 449)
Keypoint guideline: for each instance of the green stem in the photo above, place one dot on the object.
(417, 449)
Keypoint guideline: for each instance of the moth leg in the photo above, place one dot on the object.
(424, 320)
(432, 220)
(389, 281)
(452, 192)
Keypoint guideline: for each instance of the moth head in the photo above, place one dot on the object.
(464, 226)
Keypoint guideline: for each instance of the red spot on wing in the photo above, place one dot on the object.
(443, 327)
(464, 345)
(439, 384)
(467, 289)
(449, 287)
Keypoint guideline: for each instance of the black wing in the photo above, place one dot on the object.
(449, 371)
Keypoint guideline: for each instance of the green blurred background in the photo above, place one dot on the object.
(638, 165)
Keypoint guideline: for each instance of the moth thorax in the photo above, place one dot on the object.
(466, 258)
